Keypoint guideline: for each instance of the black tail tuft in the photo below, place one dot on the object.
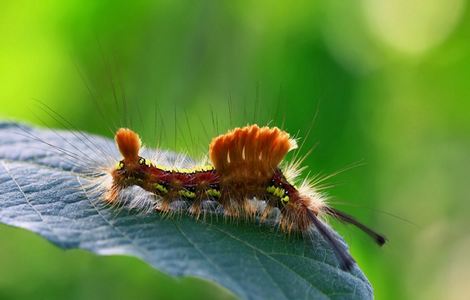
(346, 260)
(378, 238)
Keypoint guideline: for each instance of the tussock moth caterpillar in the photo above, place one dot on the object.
(245, 171)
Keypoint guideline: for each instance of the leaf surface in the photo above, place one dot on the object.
(43, 179)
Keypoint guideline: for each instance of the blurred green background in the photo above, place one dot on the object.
(390, 81)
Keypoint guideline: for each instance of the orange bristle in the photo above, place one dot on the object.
(250, 153)
(128, 143)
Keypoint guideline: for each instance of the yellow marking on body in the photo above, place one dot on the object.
(187, 194)
(185, 170)
(205, 168)
(276, 191)
(285, 200)
(119, 165)
(146, 162)
(213, 193)
(160, 188)
(163, 168)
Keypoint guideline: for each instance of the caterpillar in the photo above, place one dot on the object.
(245, 166)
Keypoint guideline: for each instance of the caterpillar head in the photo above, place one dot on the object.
(132, 167)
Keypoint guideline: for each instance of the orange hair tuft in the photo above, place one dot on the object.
(128, 143)
(250, 153)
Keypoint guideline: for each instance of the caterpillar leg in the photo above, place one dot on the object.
(164, 206)
(112, 194)
(195, 208)
(266, 213)
(249, 210)
(232, 209)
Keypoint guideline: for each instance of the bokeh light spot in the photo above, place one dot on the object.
(413, 27)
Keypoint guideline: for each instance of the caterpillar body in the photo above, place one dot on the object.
(245, 166)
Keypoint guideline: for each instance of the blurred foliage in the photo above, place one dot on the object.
(389, 80)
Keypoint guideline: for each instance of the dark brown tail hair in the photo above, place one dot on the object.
(378, 238)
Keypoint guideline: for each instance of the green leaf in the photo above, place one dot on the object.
(43, 179)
